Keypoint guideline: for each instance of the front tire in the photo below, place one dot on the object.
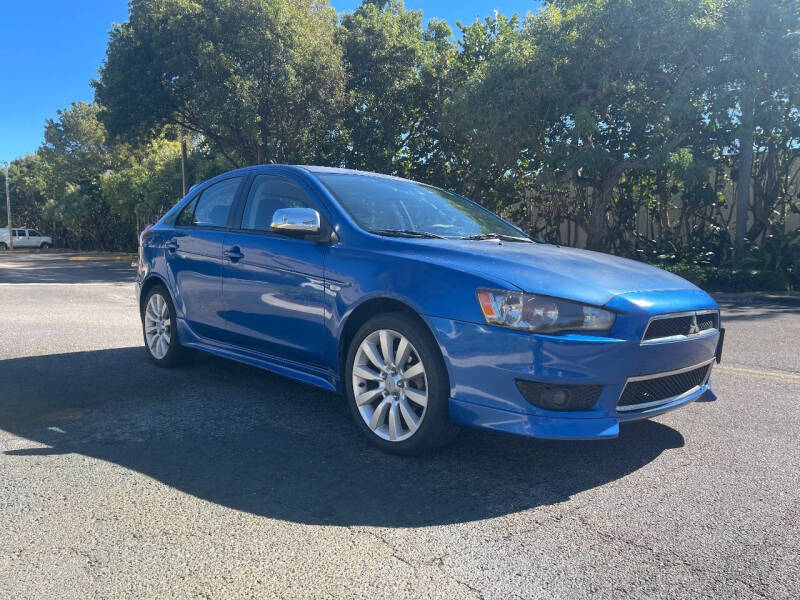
(44, 246)
(160, 330)
(397, 385)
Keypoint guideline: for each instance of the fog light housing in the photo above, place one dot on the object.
(559, 397)
(555, 397)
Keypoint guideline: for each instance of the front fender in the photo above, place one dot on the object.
(355, 276)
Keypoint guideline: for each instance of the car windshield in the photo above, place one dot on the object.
(390, 206)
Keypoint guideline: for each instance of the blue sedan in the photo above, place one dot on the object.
(427, 311)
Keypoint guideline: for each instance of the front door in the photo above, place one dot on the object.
(194, 257)
(273, 285)
(20, 238)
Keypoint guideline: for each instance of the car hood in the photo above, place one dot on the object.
(581, 275)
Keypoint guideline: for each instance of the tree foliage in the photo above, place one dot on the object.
(74, 157)
(629, 126)
(261, 80)
(394, 67)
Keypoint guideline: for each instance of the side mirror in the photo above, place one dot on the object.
(299, 220)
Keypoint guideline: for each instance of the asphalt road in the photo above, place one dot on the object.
(121, 480)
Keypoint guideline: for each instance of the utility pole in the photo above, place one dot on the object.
(8, 211)
(183, 160)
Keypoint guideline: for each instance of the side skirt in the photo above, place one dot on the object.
(322, 378)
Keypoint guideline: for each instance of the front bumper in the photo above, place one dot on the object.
(483, 363)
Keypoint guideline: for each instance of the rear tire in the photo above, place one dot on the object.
(397, 385)
(160, 330)
(3, 246)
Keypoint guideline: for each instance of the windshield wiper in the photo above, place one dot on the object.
(407, 233)
(498, 236)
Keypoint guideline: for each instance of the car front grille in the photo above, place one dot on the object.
(707, 321)
(641, 393)
(683, 325)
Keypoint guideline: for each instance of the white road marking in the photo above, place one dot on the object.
(758, 373)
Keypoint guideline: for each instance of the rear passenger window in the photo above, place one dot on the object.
(186, 216)
(215, 203)
(268, 194)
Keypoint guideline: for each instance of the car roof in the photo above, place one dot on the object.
(342, 171)
(314, 169)
(277, 167)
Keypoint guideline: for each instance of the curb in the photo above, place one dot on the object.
(100, 257)
(757, 298)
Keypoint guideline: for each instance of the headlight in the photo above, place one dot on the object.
(541, 313)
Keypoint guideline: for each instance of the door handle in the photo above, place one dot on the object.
(172, 245)
(233, 254)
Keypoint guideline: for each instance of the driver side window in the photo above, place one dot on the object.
(268, 194)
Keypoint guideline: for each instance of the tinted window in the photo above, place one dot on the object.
(18, 233)
(32, 233)
(215, 203)
(267, 195)
(186, 216)
(380, 203)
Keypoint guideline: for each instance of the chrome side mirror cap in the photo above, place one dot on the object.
(298, 220)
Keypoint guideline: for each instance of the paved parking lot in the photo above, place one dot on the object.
(121, 480)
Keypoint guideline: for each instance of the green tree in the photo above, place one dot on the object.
(261, 80)
(74, 156)
(26, 185)
(592, 90)
(628, 120)
(484, 110)
(755, 87)
(395, 71)
(145, 184)
(428, 151)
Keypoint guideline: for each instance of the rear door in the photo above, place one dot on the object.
(34, 239)
(194, 257)
(273, 284)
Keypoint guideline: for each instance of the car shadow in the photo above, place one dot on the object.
(243, 438)
(757, 310)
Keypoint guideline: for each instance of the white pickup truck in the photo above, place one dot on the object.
(24, 238)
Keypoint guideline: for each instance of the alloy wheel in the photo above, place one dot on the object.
(390, 385)
(157, 326)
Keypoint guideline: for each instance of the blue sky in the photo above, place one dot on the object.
(50, 49)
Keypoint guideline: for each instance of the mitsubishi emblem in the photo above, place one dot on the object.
(694, 328)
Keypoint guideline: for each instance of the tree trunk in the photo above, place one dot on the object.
(662, 212)
(596, 224)
(745, 168)
(183, 161)
(389, 160)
